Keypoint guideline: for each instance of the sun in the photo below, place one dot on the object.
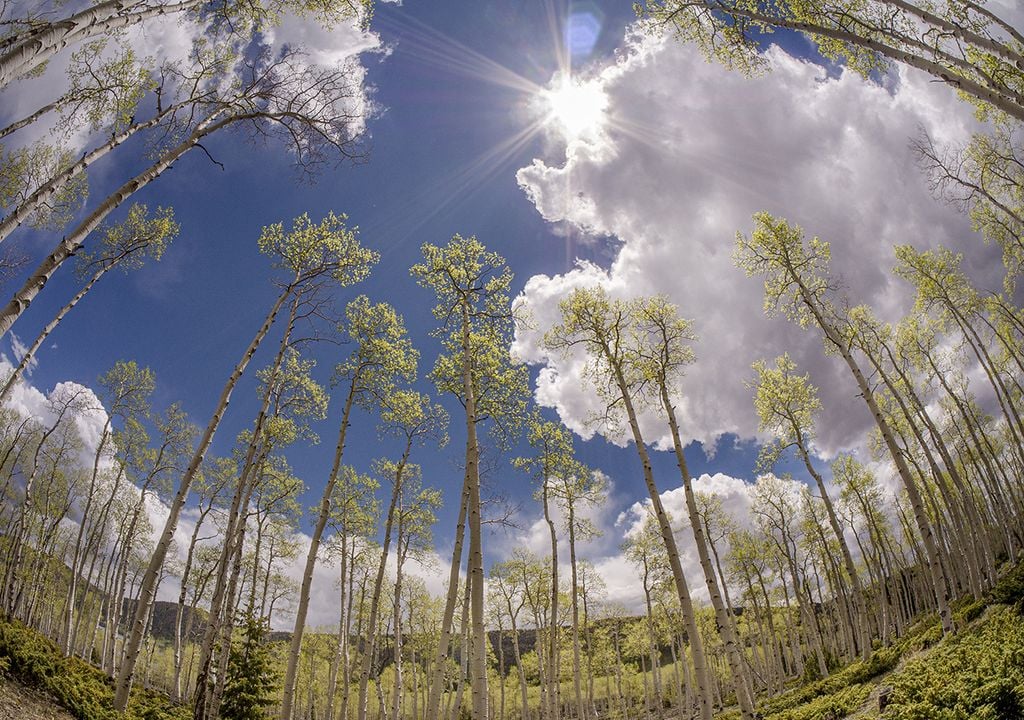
(576, 107)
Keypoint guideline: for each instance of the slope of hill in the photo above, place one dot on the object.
(22, 702)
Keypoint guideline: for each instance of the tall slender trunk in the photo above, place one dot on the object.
(71, 242)
(339, 648)
(231, 595)
(455, 711)
(38, 47)
(314, 546)
(203, 699)
(700, 668)
(147, 593)
(32, 117)
(12, 587)
(371, 638)
(437, 672)
(397, 628)
(525, 712)
(42, 195)
(859, 603)
(179, 640)
(834, 337)
(552, 648)
(475, 568)
(76, 554)
(581, 707)
(722, 619)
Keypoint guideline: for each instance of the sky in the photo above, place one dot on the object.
(647, 201)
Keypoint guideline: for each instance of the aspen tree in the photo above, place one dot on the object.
(645, 550)
(859, 490)
(797, 284)
(776, 509)
(786, 404)
(943, 288)
(382, 356)
(289, 399)
(125, 393)
(985, 179)
(968, 46)
(410, 416)
(662, 342)
(505, 586)
(282, 95)
(186, 88)
(307, 256)
(272, 428)
(875, 341)
(126, 246)
(601, 327)
(416, 515)
(216, 475)
(472, 286)
(63, 404)
(27, 49)
(574, 491)
(154, 475)
(23, 171)
(354, 514)
(554, 459)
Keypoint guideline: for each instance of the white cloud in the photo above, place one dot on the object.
(691, 152)
(617, 524)
(19, 349)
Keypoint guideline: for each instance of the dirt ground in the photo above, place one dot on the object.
(20, 702)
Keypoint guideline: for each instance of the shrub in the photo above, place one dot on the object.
(855, 674)
(83, 689)
(1010, 588)
(968, 612)
(828, 707)
(977, 675)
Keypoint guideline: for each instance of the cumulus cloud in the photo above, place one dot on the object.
(690, 152)
(737, 497)
(90, 416)
(617, 523)
(170, 39)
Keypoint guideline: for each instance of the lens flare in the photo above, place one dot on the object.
(582, 30)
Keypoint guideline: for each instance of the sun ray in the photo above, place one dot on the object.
(432, 47)
(570, 105)
(454, 188)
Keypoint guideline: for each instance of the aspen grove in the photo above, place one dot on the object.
(412, 490)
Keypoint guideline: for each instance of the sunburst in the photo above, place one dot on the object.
(576, 107)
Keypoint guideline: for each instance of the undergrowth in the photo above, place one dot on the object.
(974, 675)
(84, 690)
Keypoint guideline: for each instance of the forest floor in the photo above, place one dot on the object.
(21, 702)
(975, 674)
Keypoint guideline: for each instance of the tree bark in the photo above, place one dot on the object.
(724, 622)
(147, 593)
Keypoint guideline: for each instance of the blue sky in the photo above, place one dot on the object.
(690, 152)
(190, 316)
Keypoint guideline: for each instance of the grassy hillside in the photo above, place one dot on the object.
(976, 674)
